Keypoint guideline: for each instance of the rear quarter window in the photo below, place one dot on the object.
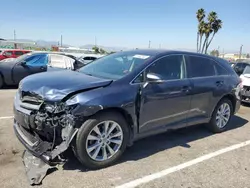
(220, 70)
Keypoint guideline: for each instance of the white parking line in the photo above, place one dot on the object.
(6, 117)
(165, 172)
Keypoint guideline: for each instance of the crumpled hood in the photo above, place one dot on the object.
(54, 86)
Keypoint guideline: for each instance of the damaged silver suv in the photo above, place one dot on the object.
(119, 98)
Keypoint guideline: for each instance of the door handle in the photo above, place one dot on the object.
(186, 89)
(219, 83)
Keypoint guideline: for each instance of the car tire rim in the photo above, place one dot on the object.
(223, 115)
(104, 140)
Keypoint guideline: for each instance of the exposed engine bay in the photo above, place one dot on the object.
(46, 132)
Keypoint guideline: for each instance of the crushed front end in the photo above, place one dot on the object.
(45, 129)
(245, 94)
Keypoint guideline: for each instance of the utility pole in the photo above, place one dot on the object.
(240, 51)
(14, 34)
(149, 42)
(61, 40)
(95, 41)
(15, 44)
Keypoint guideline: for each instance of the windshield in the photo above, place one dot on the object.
(247, 70)
(116, 65)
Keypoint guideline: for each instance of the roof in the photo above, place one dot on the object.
(154, 52)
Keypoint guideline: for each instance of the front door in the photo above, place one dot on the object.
(33, 64)
(166, 103)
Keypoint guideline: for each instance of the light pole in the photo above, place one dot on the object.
(240, 51)
(61, 40)
(149, 42)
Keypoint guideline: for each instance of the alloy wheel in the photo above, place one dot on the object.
(104, 140)
(223, 115)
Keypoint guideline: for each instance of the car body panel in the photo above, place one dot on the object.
(163, 97)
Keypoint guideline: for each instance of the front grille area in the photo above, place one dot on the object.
(29, 101)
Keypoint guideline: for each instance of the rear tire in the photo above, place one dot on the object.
(221, 116)
(89, 137)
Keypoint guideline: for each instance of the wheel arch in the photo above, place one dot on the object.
(229, 97)
(125, 114)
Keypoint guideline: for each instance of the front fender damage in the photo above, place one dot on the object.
(49, 149)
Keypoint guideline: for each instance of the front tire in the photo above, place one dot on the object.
(221, 116)
(101, 140)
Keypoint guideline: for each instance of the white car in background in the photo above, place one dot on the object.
(89, 58)
(245, 91)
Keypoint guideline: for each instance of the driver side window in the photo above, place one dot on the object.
(36, 60)
(169, 67)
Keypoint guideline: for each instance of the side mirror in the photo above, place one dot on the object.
(23, 63)
(151, 77)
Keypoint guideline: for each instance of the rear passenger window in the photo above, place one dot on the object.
(18, 53)
(200, 67)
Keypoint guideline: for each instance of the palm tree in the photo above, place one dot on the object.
(207, 31)
(216, 26)
(200, 15)
(201, 31)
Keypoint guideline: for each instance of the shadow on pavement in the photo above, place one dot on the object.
(154, 144)
(9, 87)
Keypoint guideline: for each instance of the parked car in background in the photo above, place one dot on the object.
(239, 67)
(245, 77)
(77, 64)
(11, 72)
(232, 64)
(120, 98)
(4, 54)
(89, 58)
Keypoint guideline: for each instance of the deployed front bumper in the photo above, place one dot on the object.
(33, 143)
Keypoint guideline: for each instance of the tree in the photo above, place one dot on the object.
(247, 56)
(208, 28)
(200, 15)
(96, 49)
(102, 51)
(215, 53)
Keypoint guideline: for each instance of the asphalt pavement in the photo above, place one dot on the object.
(148, 157)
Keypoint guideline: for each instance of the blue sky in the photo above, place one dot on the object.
(130, 23)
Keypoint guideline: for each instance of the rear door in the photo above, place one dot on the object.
(33, 64)
(208, 86)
